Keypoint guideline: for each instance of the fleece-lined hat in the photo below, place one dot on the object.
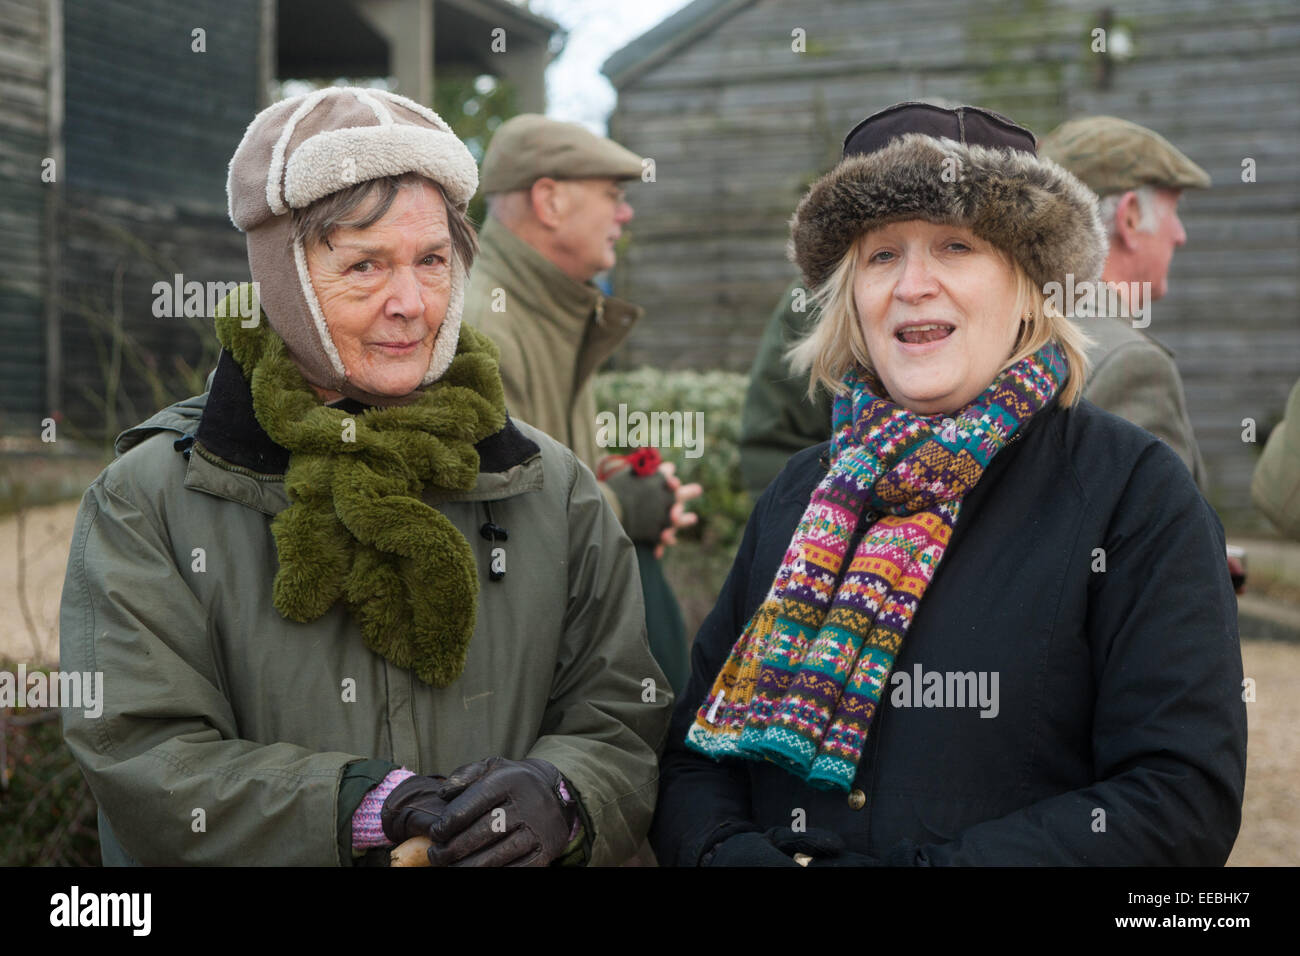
(1112, 155)
(528, 147)
(965, 166)
(306, 147)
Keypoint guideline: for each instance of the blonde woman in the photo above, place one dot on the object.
(987, 623)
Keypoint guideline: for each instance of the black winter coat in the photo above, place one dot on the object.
(1120, 732)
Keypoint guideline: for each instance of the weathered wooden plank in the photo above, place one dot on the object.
(23, 142)
(734, 115)
(886, 23)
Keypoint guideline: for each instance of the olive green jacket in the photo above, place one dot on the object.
(1134, 376)
(1275, 487)
(778, 419)
(554, 333)
(228, 732)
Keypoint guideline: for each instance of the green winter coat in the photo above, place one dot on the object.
(1134, 376)
(231, 735)
(778, 420)
(1275, 486)
(554, 333)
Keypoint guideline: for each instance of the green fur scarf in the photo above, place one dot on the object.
(355, 528)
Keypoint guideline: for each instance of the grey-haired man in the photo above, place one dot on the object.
(1139, 176)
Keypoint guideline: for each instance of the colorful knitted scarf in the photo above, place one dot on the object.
(802, 684)
(355, 528)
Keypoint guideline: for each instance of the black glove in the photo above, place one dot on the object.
(904, 854)
(847, 858)
(776, 847)
(413, 807)
(531, 829)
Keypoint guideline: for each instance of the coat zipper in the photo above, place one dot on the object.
(227, 466)
(493, 532)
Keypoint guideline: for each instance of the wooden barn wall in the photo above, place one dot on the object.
(738, 125)
(24, 143)
(150, 128)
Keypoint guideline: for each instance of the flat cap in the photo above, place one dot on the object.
(1112, 155)
(528, 147)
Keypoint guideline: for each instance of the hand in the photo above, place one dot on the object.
(847, 858)
(678, 515)
(1237, 570)
(412, 808)
(776, 847)
(502, 813)
(904, 853)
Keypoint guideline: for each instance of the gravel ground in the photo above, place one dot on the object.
(29, 619)
(1270, 818)
(1270, 829)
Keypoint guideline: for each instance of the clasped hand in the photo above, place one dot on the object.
(492, 812)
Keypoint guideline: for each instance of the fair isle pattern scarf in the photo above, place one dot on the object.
(803, 682)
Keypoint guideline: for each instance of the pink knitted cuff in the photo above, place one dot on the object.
(568, 802)
(367, 831)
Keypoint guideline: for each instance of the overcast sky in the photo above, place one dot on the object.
(576, 90)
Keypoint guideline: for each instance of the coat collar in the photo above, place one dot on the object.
(231, 456)
(1127, 323)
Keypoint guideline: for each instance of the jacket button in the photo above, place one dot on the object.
(857, 800)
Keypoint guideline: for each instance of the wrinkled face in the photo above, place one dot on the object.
(938, 310)
(594, 214)
(1155, 250)
(384, 291)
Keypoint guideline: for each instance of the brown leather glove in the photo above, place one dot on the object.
(503, 813)
(413, 807)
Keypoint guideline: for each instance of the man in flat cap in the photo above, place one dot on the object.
(556, 209)
(1139, 176)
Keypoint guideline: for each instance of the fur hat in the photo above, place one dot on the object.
(306, 147)
(1009, 196)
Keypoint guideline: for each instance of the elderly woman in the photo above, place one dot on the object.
(342, 600)
(988, 623)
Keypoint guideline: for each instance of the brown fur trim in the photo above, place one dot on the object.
(1029, 206)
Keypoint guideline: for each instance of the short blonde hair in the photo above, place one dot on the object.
(836, 341)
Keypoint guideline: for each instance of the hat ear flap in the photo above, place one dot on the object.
(448, 337)
(278, 263)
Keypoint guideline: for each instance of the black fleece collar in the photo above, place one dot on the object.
(229, 429)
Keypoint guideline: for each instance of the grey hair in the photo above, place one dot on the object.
(1148, 210)
(348, 209)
